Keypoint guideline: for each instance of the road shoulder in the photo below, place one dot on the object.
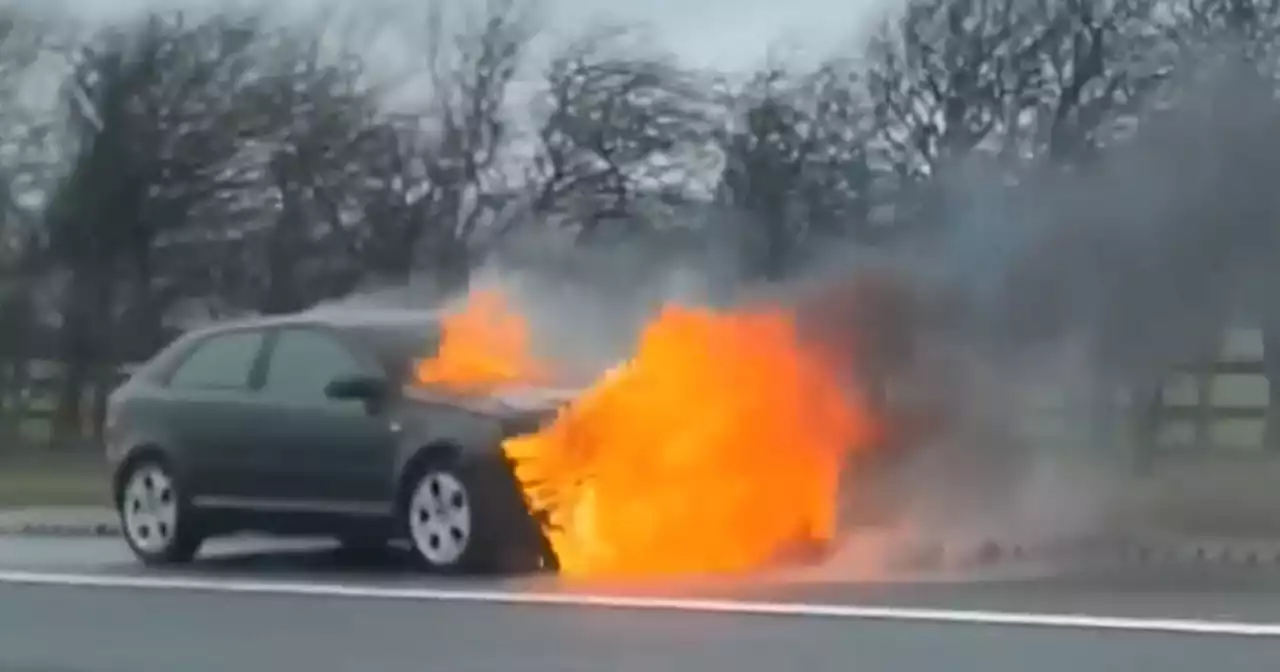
(59, 521)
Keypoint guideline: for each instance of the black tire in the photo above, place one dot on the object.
(461, 539)
(155, 537)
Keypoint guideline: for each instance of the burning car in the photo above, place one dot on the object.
(319, 423)
(718, 446)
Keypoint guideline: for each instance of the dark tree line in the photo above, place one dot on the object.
(231, 164)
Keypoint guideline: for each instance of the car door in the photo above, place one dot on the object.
(212, 416)
(326, 454)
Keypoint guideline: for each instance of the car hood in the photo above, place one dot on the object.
(506, 401)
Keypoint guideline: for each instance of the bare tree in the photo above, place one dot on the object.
(161, 135)
(22, 43)
(1095, 77)
(1019, 82)
(1250, 26)
(797, 162)
(396, 198)
(947, 79)
(324, 111)
(618, 128)
(435, 173)
(943, 77)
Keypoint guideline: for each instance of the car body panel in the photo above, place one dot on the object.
(320, 453)
(222, 459)
(261, 463)
(207, 425)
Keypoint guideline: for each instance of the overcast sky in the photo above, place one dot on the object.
(727, 34)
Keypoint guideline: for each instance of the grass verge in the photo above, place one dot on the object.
(44, 477)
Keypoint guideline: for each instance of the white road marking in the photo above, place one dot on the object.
(696, 605)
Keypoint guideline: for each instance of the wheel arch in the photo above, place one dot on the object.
(149, 450)
(433, 452)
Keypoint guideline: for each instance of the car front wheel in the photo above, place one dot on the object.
(154, 515)
(444, 521)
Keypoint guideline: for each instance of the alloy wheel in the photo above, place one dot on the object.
(149, 508)
(440, 519)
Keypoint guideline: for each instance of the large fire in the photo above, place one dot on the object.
(485, 344)
(717, 448)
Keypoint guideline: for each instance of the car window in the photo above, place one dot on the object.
(412, 348)
(302, 364)
(219, 362)
(399, 348)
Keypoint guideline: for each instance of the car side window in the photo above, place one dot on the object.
(221, 362)
(303, 362)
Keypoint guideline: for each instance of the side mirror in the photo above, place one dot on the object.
(361, 387)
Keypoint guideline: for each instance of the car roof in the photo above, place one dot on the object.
(334, 317)
(397, 323)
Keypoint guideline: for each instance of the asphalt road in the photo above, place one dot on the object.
(298, 618)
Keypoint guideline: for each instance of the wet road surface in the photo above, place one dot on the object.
(193, 625)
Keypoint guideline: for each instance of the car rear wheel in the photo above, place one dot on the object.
(154, 516)
(444, 519)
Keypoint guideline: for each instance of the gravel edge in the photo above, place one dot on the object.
(52, 521)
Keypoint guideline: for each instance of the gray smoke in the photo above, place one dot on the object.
(1086, 285)
(587, 304)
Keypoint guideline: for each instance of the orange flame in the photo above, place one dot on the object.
(716, 449)
(484, 345)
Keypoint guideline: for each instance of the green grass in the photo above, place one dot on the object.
(42, 477)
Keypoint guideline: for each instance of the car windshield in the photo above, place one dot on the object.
(400, 345)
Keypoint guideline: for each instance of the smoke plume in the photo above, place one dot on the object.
(1070, 289)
